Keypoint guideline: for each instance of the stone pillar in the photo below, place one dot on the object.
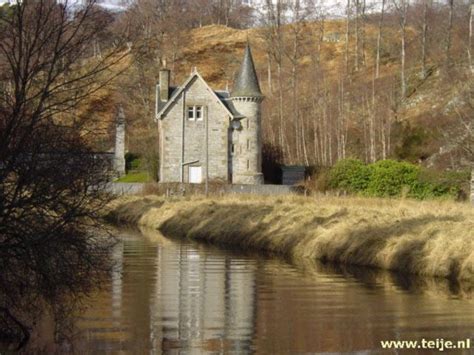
(119, 158)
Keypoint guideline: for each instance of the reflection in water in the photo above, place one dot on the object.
(178, 296)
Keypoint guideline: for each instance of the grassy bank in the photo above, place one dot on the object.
(426, 238)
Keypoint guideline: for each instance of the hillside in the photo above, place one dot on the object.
(360, 117)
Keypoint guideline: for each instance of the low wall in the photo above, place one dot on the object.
(184, 189)
(123, 188)
(263, 189)
(177, 189)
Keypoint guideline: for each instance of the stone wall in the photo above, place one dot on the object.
(247, 167)
(177, 189)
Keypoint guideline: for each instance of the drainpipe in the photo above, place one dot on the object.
(207, 151)
(182, 137)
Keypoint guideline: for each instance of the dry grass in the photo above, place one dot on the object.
(426, 238)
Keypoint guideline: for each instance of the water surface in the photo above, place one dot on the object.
(183, 297)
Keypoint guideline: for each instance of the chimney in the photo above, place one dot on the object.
(164, 82)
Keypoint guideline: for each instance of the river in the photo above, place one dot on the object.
(182, 297)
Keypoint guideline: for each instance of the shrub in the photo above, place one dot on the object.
(351, 175)
(389, 178)
(454, 184)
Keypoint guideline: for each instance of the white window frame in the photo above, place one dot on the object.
(200, 110)
(193, 111)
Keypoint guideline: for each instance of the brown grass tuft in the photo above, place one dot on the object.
(425, 238)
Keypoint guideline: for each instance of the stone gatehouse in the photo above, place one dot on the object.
(206, 133)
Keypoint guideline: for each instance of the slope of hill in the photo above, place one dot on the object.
(370, 112)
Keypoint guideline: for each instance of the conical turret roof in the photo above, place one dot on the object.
(246, 83)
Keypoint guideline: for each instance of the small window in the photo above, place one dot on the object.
(232, 149)
(191, 113)
(195, 113)
(248, 164)
(198, 113)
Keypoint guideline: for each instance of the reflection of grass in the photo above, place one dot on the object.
(139, 176)
(428, 238)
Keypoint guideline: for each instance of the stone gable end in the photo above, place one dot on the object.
(197, 93)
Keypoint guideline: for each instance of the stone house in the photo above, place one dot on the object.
(211, 134)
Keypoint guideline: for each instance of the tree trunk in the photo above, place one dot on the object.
(269, 74)
(280, 107)
(449, 32)
(402, 71)
(362, 32)
(348, 16)
(424, 39)
(471, 25)
(403, 23)
(379, 40)
(356, 30)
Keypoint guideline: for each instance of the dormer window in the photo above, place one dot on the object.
(195, 113)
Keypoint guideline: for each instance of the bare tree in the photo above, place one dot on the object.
(469, 46)
(402, 7)
(424, 39)
(357, 35)
(273, 20)
(449, 32)
(346, 51)
(379, 40)
(50, 178)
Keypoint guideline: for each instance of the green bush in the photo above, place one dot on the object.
(390, 178)
(454, 184)
(350, 175)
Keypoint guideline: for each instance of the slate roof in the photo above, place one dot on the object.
(246, 84)
(225, 98)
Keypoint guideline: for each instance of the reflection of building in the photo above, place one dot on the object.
(204, 301)
(189, 299)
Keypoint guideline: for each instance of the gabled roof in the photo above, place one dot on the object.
(246, 84)
(221, 96)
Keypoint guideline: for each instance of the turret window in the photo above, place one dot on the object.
(195, 113)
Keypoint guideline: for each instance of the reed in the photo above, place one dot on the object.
(433, 238)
